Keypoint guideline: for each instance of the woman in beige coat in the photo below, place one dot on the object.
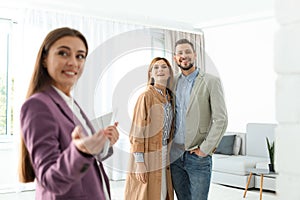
(149, 172)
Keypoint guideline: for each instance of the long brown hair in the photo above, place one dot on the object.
(39, 81)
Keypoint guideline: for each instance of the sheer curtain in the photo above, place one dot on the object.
(33, 26)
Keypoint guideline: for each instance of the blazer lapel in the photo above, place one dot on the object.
(62, 105)
(195, 89)
(175, 87)
(89, 124)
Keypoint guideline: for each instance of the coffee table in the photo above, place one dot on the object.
(262, 173)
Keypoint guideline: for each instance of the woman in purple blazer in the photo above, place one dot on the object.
(59, 146)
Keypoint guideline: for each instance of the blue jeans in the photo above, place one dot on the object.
(191, 176)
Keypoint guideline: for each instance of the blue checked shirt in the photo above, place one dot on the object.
(183, 93)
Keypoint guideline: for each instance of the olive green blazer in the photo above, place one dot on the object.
(206, 116)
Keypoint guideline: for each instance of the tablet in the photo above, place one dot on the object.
(103, 121)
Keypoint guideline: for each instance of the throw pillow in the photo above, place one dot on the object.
(226, 145)
(237, 145)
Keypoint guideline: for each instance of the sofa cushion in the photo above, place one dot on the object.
(226, 145)
(263, 165)
(237, 145)
(235, 164)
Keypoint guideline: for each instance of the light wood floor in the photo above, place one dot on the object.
(217, 192)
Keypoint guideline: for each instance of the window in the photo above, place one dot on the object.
(6, 82)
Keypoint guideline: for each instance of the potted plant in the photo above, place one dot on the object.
(271, 154)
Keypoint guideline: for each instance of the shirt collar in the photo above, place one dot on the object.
(191, 77)
(67, 99)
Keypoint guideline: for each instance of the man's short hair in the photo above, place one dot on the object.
(184, 41)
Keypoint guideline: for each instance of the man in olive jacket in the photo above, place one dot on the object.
(201, 120)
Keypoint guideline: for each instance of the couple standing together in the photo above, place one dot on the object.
(177, 124)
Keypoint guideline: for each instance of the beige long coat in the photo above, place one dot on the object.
(146, 136)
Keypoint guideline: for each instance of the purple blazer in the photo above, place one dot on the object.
(62, 172)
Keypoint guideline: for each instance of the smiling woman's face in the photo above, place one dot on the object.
(65, 62)
(160, 72)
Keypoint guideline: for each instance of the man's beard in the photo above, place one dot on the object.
(186, 68)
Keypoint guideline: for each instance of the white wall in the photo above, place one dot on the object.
(287, 66)
(243, 56)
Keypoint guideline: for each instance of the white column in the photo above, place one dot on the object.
(287, 66)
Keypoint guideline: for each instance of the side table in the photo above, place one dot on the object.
(260, 172)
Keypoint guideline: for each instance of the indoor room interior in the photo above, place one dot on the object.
(251, 45)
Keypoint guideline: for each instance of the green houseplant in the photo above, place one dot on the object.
(271, 146)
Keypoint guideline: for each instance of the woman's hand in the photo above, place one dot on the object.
(141, 172)
(92, 144)
(112, 133)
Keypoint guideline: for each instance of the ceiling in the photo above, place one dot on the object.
(188, 14)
